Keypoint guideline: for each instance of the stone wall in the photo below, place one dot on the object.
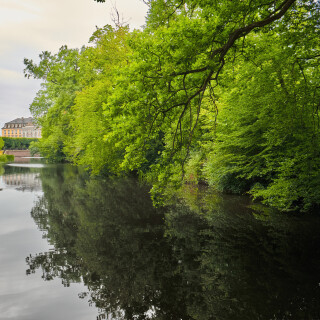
(19, 153)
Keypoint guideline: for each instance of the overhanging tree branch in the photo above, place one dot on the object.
(218, 55)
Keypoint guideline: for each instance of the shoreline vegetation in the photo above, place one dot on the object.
(224, 93)
(4, 158)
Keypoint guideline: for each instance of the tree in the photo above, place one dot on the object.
(147, 101)
(87, 143)
(268, 132)
(173, 74)
(52, 106)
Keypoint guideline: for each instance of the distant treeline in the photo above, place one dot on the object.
(17, 143)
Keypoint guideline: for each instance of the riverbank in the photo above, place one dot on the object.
(6, 158)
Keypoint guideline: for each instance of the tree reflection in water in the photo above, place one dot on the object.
(205, 257)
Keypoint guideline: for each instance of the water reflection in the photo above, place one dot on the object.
(21, 178)
(205, 257)
(26, 165)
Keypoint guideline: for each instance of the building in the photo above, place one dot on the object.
(22, 181)
(21, 128)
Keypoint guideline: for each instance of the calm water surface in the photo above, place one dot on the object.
(78, 248)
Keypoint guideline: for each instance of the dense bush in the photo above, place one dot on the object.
(6, 158)
(17, 143)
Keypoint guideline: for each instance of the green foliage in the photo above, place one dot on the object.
(10, 157)
(33, 148)
(17, 143)
(268, 135)
(51, 107)
(6, 158)
(224, 92)
(89, 142)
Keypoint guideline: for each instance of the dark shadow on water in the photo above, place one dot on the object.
(205, 257)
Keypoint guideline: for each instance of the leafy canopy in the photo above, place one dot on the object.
(226, 92)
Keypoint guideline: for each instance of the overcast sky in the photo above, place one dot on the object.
(28, 27)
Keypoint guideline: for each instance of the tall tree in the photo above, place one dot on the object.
(181, 54)
(87, 143)
(177, 63)
(52, 105)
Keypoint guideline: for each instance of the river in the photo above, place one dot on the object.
(79, 248)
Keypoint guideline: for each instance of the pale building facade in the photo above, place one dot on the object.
(21, 128)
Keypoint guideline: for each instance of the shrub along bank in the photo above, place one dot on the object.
(6, 158)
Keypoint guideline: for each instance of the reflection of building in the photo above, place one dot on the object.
(21, 128)
(23, 181)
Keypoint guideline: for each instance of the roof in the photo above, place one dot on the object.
(21, 120)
